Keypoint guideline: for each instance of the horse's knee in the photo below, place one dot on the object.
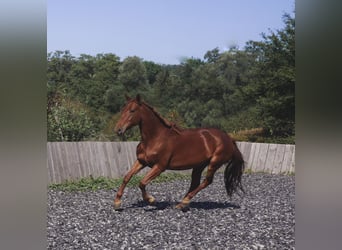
(126, 179)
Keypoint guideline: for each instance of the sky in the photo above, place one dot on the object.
(162, 31)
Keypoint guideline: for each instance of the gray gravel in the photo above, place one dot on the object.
(264, 218)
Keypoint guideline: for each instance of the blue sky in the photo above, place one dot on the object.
(162, 31)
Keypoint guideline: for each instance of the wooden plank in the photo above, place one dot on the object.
(253, 155)
(50, 167)
(288, 155)
(90, 157)
(246, 152)
(72, 163)
(241, 146)
(271, 153)
(106, 166)
(293, 159)
(131, 154)
(116, 149)
(77, 168)
(255, 166)
(122, 159)
(84, 159)
(278, 159)
(261, 158)
(94, 160)
(98, 160)
(247, 149)
(59, 159)
(108, 154)
(80, 161)
(58, 171)
(59, 155)
(68, 161)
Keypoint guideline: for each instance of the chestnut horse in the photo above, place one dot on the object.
(164, 146)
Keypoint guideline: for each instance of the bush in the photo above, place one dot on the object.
(69, 121)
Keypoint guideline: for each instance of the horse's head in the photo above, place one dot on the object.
(130, 115)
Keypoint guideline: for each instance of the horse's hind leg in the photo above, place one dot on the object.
(192, 192)
(195, 179)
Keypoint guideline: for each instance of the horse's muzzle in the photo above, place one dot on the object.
(120, 131)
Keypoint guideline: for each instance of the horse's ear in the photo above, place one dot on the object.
(127, 97)
(138, 99)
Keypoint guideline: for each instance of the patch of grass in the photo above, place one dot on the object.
(167, 177)
(250, 171)
(91, 183)
(87, 183)
(289, 173)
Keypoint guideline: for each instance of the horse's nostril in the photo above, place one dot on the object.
(119, 132)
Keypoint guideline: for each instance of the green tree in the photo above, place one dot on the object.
(59, 65)
(114, 98)
(212, 55)
(132, 74)
(92, 77)
(274, 75)
(152, 70)
(107, 68)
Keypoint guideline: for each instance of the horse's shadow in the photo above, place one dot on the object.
(205, 205)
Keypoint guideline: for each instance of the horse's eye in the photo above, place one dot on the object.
(132, 111)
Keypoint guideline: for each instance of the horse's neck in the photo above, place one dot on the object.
(151, 127)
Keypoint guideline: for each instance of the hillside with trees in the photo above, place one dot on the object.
(247, 92)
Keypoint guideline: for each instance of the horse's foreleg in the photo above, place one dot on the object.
(153, 173)
(137, 166)
(193, 191)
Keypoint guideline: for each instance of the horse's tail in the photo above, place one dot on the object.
(234, 171)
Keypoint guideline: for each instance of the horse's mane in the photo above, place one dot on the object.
(166, 122)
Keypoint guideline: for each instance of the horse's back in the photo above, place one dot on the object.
(197, 147)
(213, 136)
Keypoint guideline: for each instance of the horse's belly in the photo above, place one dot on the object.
(181, 166)
(187, 158)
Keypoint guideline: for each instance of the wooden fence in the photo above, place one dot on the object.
(75, 160)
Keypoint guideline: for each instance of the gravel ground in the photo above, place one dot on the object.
(264, 218)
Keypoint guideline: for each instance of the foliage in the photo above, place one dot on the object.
(235, 90)
(69, 121)
(251, 135)
(132, 74)
(275, 79)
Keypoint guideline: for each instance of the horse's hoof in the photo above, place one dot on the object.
(179, 206)
(117, 206)
(151, 201)
(183, 207)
